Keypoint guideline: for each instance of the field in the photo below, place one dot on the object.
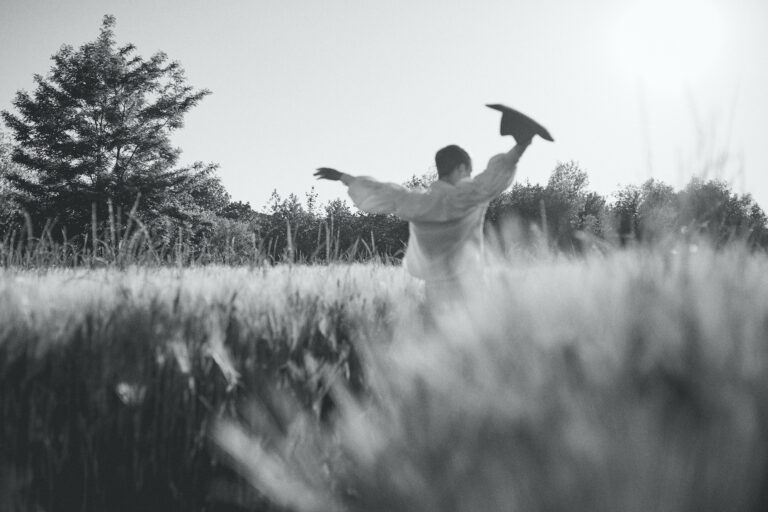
(630, 380)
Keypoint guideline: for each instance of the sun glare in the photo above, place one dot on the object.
(669, 44)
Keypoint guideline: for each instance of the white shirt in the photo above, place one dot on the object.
(445, 221)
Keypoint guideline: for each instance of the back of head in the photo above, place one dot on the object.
(449, 158)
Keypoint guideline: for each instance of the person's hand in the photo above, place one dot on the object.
(326, 173)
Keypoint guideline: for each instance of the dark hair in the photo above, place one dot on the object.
(449, 158)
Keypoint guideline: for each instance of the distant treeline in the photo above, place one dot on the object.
(564, 214)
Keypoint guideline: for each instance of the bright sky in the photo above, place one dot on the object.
(629, 88)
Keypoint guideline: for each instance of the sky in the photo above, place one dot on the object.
(630, 89)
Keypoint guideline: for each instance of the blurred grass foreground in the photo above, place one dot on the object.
(633, 380)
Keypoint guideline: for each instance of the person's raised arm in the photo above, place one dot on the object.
(494, 180)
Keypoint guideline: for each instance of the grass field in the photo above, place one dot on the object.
(633, 380)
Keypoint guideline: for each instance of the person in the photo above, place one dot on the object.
(445, 221)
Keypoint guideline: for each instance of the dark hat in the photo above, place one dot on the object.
(519, 125)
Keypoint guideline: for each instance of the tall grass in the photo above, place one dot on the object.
(109, 380)
(633, 381)
(121, 241)
(624, 380)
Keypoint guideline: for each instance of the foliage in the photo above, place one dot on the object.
(709, 207)
(654, 211)
(650, 214)
(239, 211)
(9, 195)
(97, 130)
(563, 215)
(421, 182)
(563, 209)
(300, 232)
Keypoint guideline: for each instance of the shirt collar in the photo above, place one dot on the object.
(437, 184)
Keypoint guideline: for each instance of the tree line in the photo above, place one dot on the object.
(563, 214)
(88, 157)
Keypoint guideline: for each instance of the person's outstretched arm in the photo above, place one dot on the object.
(326, 173)
(374, 196)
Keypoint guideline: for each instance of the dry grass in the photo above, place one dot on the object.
(632, 380)
(109, 379)
(635, 381)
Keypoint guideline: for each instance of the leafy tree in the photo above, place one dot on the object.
(8, 204)
(657, 211)
(758, 222)
(710, 208)
(338, 209)
(199, 192)
(563, 209)
(524, 200)
(421, 182)
(340, 223)
(568, 180)
(565, 199)
(98, 127)
(311, 200)
(625, 212)
(645, 213)
(239, 211)
(289, 228)
(384, 234)
(592, 217)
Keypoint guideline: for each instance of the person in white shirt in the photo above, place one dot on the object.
(445, 221)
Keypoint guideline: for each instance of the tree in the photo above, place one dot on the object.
(239, 211)
(710, 208)
(201, 191)
(565, 201)
(97, 128)
(657, 211)
(625, 213)
(10, 209)
(421, 182)
(568, 180)
(7, 203)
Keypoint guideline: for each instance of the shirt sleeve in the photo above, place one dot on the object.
(373, 196)
(490, 183)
